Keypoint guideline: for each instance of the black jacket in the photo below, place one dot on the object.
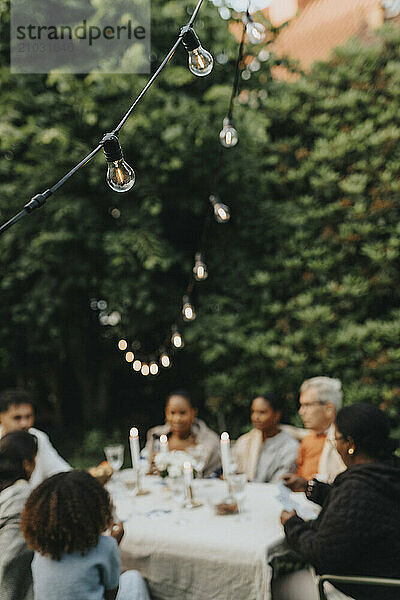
(358, 529)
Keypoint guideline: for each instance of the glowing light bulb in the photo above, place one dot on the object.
(221, 211)
(200, 60)
(145, 370)
(153, 368)
(228, 136)
(137, 365)
(199, 269)
(188, 312)
(129, 356)
(114, 318)
(254, 31)
(122, 344)
(176, 338)
(165, 360)
(120, 176)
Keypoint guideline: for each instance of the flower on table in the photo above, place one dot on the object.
(170, 464)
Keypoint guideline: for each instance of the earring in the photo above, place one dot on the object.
(350, 451)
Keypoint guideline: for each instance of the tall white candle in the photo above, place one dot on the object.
(187, 473)
(135, 448)
(225, 445)
(163, 444)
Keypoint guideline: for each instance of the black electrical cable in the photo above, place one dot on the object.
(235, 86)
(38, 200)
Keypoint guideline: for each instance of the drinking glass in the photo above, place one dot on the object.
(237, 485)
(115, 456)
(198, 454)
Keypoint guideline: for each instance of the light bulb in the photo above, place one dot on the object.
(145, 369)
(137, 365)
(199, 269)
(120, 176)
(129, 356)
(188, 312)
(228, 135)
(165, 360)
(200, 60)
(153, 368)
(255, 31)
(114, 318)
(176, 338)
(122, 344)
(221, 211)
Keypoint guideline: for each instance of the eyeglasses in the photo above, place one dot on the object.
(310, 404)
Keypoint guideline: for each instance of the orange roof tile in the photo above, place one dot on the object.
(322, 25)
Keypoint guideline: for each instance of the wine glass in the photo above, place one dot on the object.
(198, 454)
(115, 456)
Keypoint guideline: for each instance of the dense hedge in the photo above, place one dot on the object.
(304, 280)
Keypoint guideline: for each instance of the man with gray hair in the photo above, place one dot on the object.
(320, 400)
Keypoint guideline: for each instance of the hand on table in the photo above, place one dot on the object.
(101, 472)
(117, 531)
(286, 515)
(294, 482)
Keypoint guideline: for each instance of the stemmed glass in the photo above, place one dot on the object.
(198, 454)
(115, 457)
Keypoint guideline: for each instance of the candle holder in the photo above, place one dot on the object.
(140, 490)
(189, 501)
(229, 505)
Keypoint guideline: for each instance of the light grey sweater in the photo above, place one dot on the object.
(15, 557)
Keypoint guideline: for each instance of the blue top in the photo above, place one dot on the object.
(76, 576)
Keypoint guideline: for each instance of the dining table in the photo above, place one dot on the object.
(195, 553)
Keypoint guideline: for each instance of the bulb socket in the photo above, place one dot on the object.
(214, 199)
(189, 39)
(228, 121)
(246, 19)
(111, 147)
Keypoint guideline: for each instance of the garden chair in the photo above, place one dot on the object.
(376, 581)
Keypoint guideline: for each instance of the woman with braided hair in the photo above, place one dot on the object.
(64, 521)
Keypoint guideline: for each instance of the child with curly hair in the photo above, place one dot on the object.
(64, 521)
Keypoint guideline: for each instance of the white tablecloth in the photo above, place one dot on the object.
(196, 555)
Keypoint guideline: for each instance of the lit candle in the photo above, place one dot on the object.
(135, 448)
(225, 445)
(163, 444)
(187, 473)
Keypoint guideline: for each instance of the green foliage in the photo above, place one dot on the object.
(304, 279)
(90, 452)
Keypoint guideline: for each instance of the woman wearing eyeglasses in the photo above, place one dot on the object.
(357, 531)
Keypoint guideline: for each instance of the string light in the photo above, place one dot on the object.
(165, 360)
(145, 370)
(200, 60)
(120, 176)
(129, 356)
(254, 31)
(188, 312)
(199, 269)
(153, 368)
(221, 211)
(228, 135)
(122, 344)
(149, 365)
(176, 338)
